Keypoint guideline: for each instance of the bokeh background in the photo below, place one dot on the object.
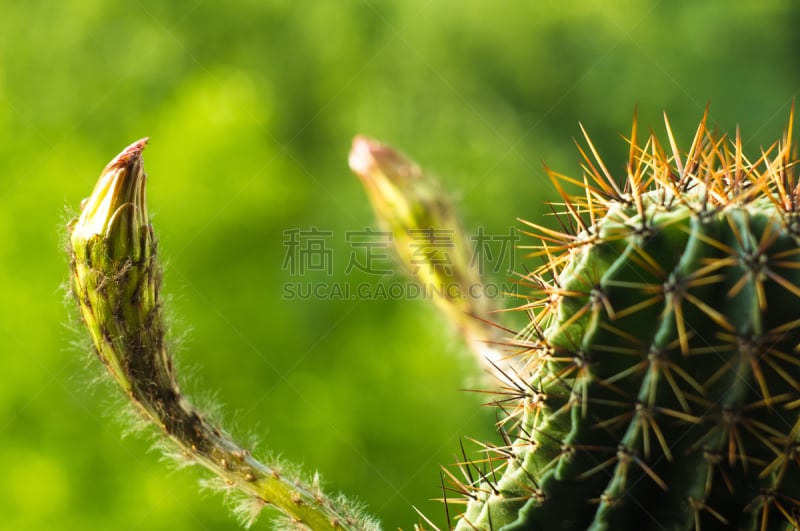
(251, 107)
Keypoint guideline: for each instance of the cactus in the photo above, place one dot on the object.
(661, 363)
(656, 386)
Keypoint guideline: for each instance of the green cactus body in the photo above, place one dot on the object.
(661, 377)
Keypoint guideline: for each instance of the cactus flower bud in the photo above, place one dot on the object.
(114, 275)
(429, 241)
(116, 281)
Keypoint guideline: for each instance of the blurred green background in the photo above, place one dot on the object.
(251, 107)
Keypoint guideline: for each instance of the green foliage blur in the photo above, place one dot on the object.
(251, 107)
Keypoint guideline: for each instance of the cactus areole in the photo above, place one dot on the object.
(661, 364)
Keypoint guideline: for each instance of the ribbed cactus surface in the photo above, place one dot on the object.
(660, 382)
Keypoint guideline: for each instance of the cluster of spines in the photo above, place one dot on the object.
(558, 385)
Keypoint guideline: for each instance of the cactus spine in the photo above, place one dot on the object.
(662, 360)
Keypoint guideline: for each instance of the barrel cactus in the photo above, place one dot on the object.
(660, 379)
(656, 385)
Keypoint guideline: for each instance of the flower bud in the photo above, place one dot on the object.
(115, 276)
(428, 239)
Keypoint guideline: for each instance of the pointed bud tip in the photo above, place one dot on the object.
(120, 188)
(372, 161)
(129, 154)
(361, 158)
